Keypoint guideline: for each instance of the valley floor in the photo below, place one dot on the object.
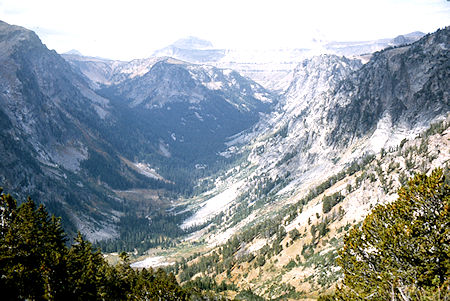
(295, 256)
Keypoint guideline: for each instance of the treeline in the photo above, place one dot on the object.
(225, 258)
(142, 233)
(295, 209)
(36, 263)
(272, 229)
(158, 228)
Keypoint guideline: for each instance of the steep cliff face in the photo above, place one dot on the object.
(314, 77)
(335, 103)
(404, 87)
(294, 138)
(53, 146)
(336, 111)
(44, 101)
(48, 123)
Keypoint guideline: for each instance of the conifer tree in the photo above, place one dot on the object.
(402, 249)
(36, 264)
(32, 252)
(87, 269)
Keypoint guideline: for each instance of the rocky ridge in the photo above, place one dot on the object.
(296, 154)
(64, 136)
(318, 126)
(48, 124)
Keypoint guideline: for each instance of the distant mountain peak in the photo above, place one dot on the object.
(191, 49)
(73, 52)
(407, 38)
(417, 34)
(192, 43)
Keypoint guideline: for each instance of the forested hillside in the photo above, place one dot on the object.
(335, 187)
(292, 250)
(401, 250)
(37, 264)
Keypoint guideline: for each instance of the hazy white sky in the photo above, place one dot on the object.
(135, 28)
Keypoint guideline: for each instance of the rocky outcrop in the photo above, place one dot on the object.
(337, 110)
(404, 87)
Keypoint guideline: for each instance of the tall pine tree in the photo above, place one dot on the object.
(32, 252)
(36, 264)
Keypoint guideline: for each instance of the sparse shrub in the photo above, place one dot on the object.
(330, 201)
(294, 234)
(290, 265)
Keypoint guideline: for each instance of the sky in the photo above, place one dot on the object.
(135, 28)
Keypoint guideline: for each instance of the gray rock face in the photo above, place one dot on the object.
(71, 132)
(193, 109)
(409, 85)
(317, 75)
(297, 131)
(43, 99)
(65, 144)
(49, 128)
(336, 110)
